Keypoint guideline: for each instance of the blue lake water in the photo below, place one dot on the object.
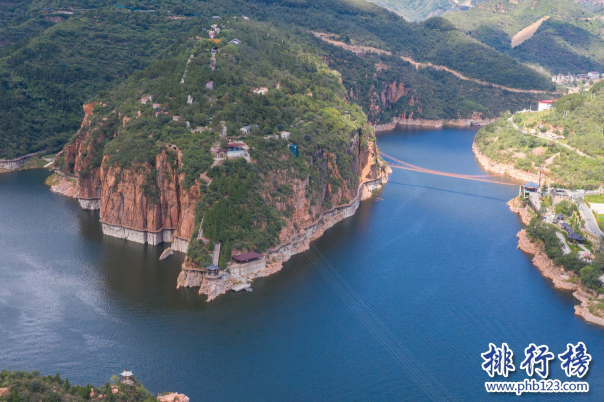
(419, 282)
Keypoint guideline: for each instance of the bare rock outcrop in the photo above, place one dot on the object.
(516, 207)
(408, 120)
(62, 185)
(172, 397)
(392, 92)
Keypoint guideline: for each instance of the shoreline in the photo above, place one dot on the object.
(410, 122)
(190, 277)
(506, 169)
(561, 279)
(214, 287)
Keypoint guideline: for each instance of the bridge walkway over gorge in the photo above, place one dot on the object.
(396, 163)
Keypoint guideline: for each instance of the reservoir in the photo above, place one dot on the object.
(394, 303)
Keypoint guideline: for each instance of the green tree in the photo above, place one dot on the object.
(16, 396)
(565, 207)
(590, 275)
(222, 263)
(114, 379)
(67, 385)
(85, 391)
(57, 378)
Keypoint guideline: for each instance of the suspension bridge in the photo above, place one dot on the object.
(396, 163)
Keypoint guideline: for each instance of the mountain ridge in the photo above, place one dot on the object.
(46, 78)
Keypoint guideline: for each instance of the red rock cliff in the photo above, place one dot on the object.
(138, 198)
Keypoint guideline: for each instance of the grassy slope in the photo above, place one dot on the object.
(568, 41)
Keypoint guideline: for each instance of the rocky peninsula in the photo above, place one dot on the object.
(590, 308)
(171, 213)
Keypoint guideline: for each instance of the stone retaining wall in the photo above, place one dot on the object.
(139, 236)
(90, 203)
(248, 268)
(329, 218)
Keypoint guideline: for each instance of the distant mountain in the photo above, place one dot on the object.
(559, 35)
(419, 10)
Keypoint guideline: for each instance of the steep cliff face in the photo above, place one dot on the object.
(392, 92)
(144, 203)
(308, 220)
(304, 210)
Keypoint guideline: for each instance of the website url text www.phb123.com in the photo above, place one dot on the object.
(532, 385)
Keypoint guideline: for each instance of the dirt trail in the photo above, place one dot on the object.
(459, 75)
(326, 37)
(367, 49)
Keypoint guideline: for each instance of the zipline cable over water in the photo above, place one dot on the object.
(396, 163)
(413, 367)
(380, 328)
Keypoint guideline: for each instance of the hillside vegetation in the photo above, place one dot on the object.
(570, 40)
(21, 386)
(416, 10)
(52, 62)
(582, 129)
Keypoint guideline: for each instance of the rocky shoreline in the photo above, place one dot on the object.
(404, 121)
(562, 279)
(62, 185)
(190, 277)
(505, 169)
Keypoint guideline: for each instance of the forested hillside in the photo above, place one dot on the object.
(56, 55)
(419, 10)
(22, 386)
(570, 38)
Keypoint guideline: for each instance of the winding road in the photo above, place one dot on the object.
(591, 224)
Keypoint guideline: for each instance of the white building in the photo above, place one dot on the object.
(546, 104)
